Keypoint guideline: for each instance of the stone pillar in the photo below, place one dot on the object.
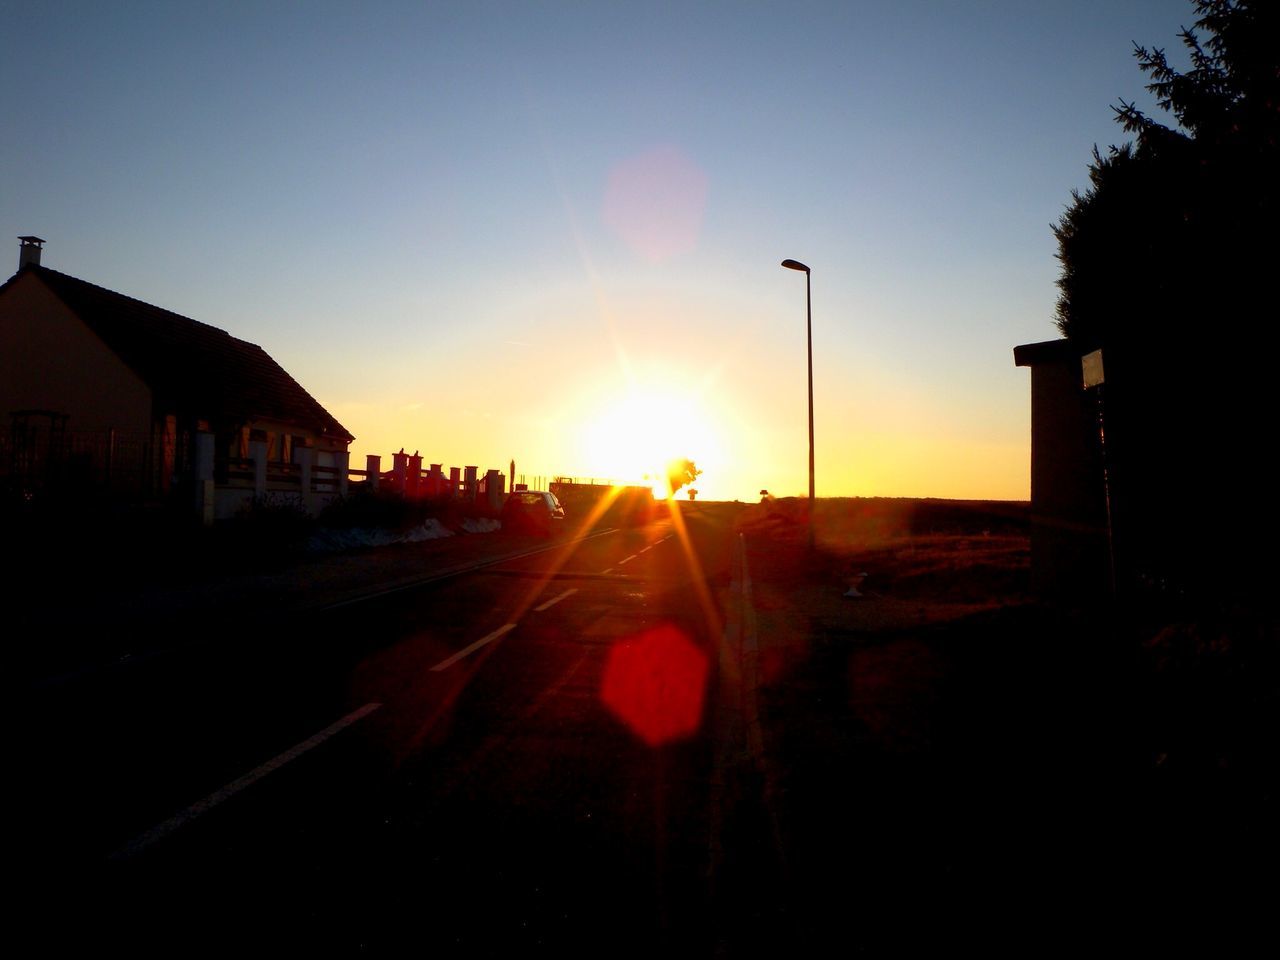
(305, 458)
(342, 463)
(455, 483)
(204, 477)
(400, 469)
(470, 482)
(414, 477)
(493, 484)
(258, 454)
(372, 469)
(435, 481)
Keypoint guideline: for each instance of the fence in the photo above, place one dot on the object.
(43, 461)
(409, 479)
(185, 466)
(314, 485)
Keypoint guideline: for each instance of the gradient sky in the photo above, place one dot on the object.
(553, 231)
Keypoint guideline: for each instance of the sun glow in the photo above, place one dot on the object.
(634, 439)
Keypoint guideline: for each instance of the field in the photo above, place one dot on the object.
(948, 739)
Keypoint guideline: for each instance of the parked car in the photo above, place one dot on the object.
(532, 511)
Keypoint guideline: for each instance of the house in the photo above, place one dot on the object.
(107, 391)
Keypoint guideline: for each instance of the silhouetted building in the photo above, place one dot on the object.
(622, 504)
(100, 387)
(1185, 492)
(1068, 507)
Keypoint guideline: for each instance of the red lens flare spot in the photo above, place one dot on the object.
(654, 683)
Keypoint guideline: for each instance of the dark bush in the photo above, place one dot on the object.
(270, 527)
(371, 510)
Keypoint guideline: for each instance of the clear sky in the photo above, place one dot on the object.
(552, 231)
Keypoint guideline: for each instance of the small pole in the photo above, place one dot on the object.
(808, 330)
(808, 302)
(1095, 379)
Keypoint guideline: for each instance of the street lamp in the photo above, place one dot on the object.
(808, 302)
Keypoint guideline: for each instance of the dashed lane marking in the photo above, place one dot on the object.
(551, 603)
(628, 560)
(467, 651)
(415, 582)
(176, 822)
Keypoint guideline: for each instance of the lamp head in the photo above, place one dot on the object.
(795, 265)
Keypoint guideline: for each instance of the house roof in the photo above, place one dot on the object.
(1047, 351)
(191, 367)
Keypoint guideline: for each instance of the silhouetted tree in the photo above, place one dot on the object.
(1179, 227)
(681, 472)
(1169, 263)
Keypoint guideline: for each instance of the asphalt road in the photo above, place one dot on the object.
(538, 754)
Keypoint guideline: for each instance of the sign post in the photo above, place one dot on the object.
(1094, 378)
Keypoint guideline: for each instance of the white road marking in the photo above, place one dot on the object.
(648, 548)
(158, 833)
(628, 560)
(610, 570)
(551, 603)
(467, 651)
(414, 582)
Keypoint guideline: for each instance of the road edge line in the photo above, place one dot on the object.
(201, 807)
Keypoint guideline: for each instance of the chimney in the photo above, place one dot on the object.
(29, 252)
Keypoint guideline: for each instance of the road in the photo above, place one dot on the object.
(545, 753)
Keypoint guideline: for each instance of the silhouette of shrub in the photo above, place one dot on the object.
(273, 524)
(370, 510)
(1211, 692)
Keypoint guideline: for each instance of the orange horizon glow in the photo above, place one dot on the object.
(625, 424)
(736, 462)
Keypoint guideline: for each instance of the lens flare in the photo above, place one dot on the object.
(655, 202)
(655, 684)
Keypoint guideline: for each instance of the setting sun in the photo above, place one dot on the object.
(634, 439)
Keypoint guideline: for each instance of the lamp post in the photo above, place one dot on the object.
(808, 303)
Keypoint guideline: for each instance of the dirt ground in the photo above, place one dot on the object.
(951, 761)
